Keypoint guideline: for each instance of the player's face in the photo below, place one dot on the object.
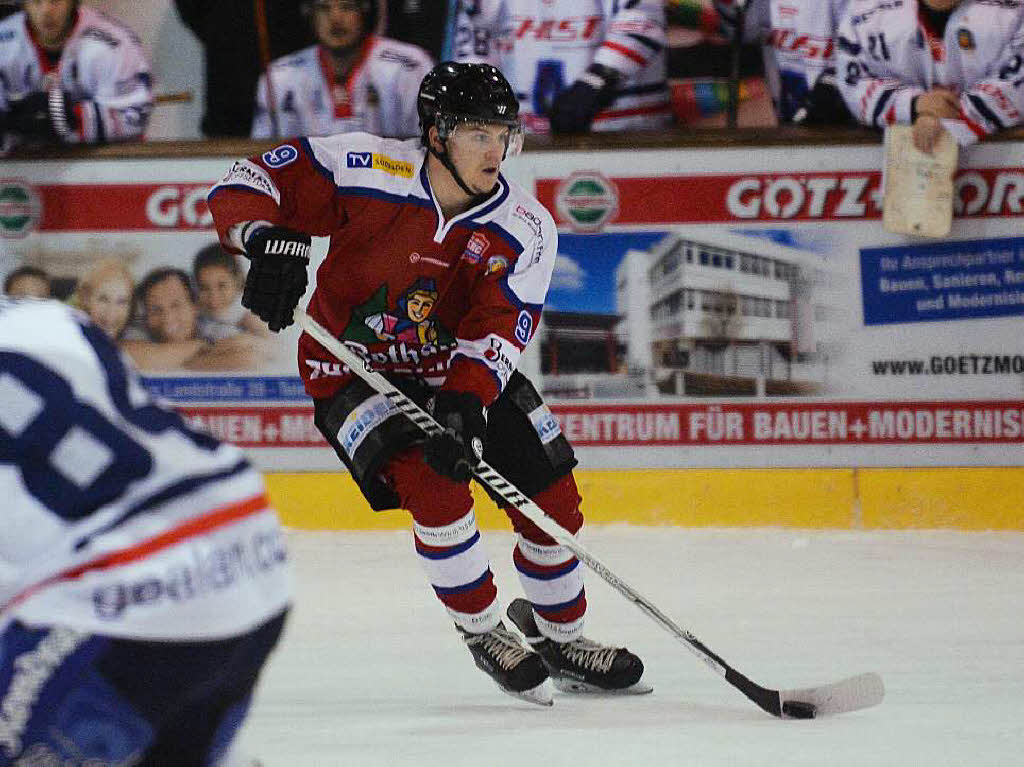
(50, 20)
(337, 23)
(218, 289)
(109, 305)
(170, 313)
(476, 150)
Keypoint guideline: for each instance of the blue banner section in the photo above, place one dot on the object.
(959, 280)
(227, 389)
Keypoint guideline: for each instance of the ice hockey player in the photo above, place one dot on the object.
(351, 80)
(800, 43)
(436, 274)
(576, 65)
(936, 64)
(143, 578)
(69, 74)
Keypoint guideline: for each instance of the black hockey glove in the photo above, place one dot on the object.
(42, 116)
(456, 451)
(824, 104)
(574, 109)
(277, 274)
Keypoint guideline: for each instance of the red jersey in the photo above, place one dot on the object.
(452, 301)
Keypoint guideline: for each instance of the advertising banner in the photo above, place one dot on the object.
(709, 307)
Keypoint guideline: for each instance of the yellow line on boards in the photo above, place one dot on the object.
(953, 498)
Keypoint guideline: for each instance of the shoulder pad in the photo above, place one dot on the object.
(362, 159)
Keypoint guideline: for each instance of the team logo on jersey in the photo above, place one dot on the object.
(408, 321)
(496, 265)
(965, 39)
(475, 248)
(587, 200)
(20, 209)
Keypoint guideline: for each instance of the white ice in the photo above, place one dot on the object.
(371, 672)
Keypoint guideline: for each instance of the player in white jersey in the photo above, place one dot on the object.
(934, 63)
(143, 577)
(575, 65)
(70, 74)
(351, 80)
(799, 38)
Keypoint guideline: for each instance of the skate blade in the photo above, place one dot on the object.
(577, 687)
(539, 695)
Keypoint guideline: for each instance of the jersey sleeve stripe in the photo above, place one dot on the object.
(653, 45)
(622, 50)
(883, 99)
(976, 129)
(206, 523)
(983, 109)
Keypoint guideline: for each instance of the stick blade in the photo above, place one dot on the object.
(853, 694)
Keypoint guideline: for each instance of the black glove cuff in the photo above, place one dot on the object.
(278, 242)
(608, 76)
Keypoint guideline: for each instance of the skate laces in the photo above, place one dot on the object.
(506, 649)
(588, 654)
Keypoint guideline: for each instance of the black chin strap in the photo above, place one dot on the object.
(447, 163)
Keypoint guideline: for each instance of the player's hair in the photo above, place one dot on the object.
(25, 271)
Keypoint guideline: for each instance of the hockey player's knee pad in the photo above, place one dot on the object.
(432, 500)
(561, 500)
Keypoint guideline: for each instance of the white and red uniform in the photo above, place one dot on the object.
(379, 95)
(800, 39)
(543, 46)
(489, 267)
(889, 53)
(450, 301)
(119, 519)
(102, 68)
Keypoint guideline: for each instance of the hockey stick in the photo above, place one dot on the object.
(847, 695)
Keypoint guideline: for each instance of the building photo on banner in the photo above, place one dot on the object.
(749, 304)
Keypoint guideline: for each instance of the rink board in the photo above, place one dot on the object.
(975, 498)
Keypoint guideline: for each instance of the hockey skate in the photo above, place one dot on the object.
(515, 668)
(581, 666)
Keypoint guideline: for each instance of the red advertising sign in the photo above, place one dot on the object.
(770, 423)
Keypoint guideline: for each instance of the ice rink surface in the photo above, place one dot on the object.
(371, 671)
